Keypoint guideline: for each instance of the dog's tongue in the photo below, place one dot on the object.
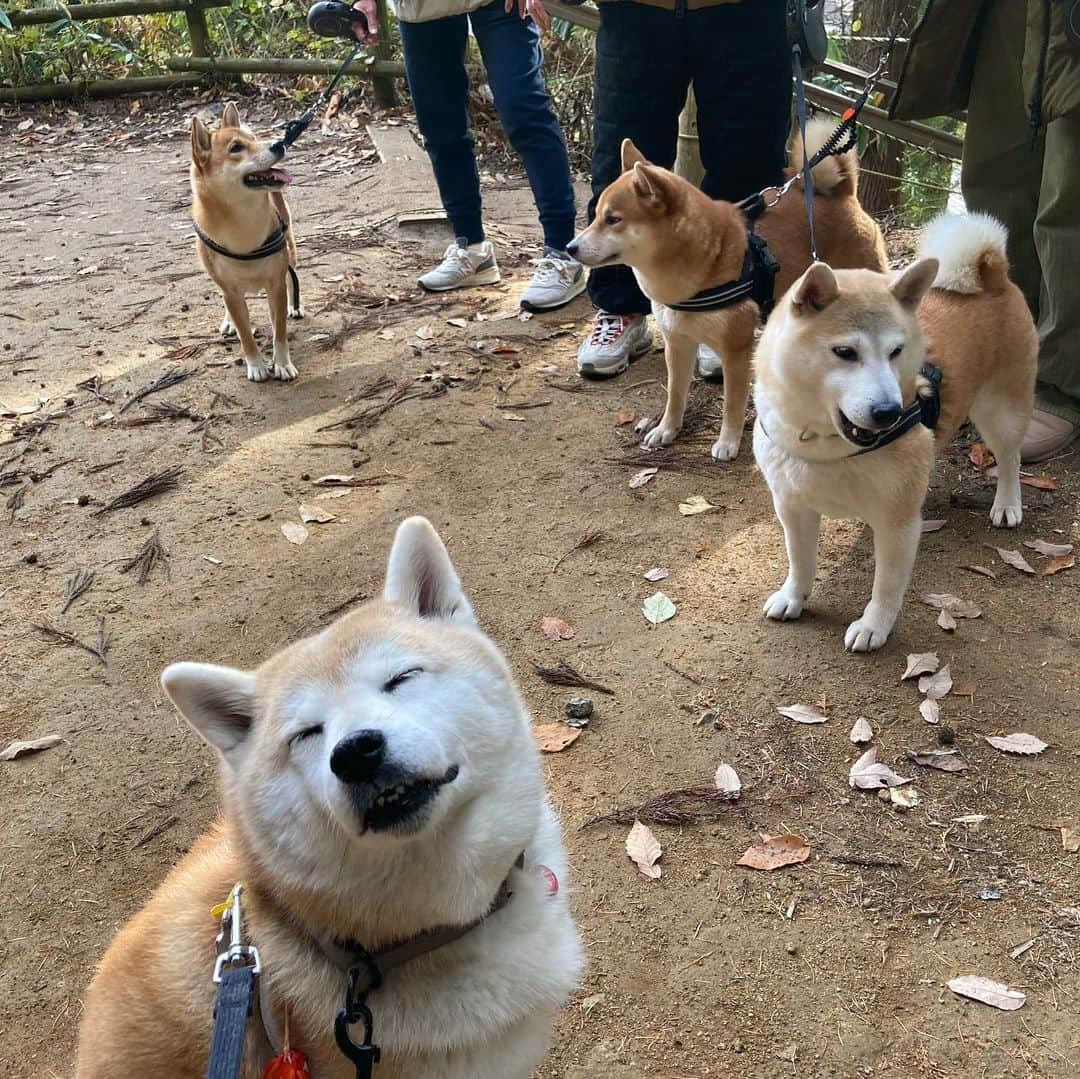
(283, 176)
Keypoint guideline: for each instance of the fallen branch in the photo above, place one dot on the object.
(150, 554)
(156, 484)
(154, 832)
(402, 392)
(586, 539)
(689, 804)
(80, 581)
(164, 382)
(869, 861)
(63, 637)
(565, 675)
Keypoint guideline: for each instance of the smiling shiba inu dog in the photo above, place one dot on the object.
(837, 370)
(381, 790)
(680, 242)
(237, 207)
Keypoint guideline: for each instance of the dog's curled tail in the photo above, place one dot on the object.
(837, 174)
(971, 252)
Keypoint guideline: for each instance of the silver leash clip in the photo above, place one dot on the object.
(235, 952)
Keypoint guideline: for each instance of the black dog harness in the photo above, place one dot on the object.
(274, 243)
(755, 282)
(925, 410)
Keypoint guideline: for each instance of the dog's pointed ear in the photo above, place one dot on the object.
(653, 184)
(219, 702)
(910, 286)
(200, 142)
(631, 155)
(815, 290)
(420, 576)
(230, 117)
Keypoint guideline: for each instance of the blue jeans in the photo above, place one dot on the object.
(435, 67)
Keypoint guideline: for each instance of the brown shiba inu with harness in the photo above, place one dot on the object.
(244, 234)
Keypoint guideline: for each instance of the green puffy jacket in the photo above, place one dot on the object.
(936, 78)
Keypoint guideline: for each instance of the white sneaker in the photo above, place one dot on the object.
(710, 366)
(615, 341)
(556, 280)
(463, 265)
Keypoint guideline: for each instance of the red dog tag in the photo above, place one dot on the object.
(289, 1064)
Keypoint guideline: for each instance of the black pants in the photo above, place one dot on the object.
(737, 58)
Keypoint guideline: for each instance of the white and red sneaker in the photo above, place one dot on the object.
(615, 340)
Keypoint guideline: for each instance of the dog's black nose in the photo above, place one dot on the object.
(885, 415)
(356, 758)
(572, 248)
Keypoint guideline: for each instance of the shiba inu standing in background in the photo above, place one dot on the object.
(837, 370)
(381, 791)
(244, 233)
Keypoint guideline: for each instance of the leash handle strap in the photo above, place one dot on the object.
(231, 1014)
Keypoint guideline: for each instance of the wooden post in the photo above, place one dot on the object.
(270, 65)
(386, 96)
(197, 30)
(688, 157)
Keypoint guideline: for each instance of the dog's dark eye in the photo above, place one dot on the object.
(845, 352)
(612, 219)
(307, 732)
(236, 148)
(896, 352)
(398, 679)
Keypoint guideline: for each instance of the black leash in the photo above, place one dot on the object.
(807, 168)
(235, 972)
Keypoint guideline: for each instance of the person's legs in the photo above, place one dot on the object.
(742, 81)
(642, 75)
(435, 68)
(512, 56)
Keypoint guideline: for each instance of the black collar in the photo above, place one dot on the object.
(925, 410)
(755, 282)
(270, 246)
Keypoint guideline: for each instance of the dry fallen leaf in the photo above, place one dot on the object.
(460, 323)
(996, 994)
(1056, 565)
(657, 573)
(516, 417)
(35, 745)
(946, 621)
(293, 532)
(982, 571)
(861, 732)
(775, 852)
(554, 737)
(1070, 837)
(1014, 559)
(658, 608)
(981, 457)
(964, 689)
(639, 479)
(802, 713)
(1025, 744)
(867, 774)
(727, 781)
(623, 418)
(904, 797)
(932, 526)
(957, 607)
(695, 504)
(1040, 483)
(644, 850)
(556, 629)
(1052, 550)
(930, 710)
(944, 760)
(314, 515)
(936, 686)
(920, 663)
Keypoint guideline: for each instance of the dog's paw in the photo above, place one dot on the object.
(285, 371)
(783, 607)
(257, 372)
(1006, 516)
(227, 329)
(725, 449)
(296, 312)
(864, 636)
(659, 436)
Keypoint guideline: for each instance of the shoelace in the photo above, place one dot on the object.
(608, 328)
(549, 270)
(457, 259)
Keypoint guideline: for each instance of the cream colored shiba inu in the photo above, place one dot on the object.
(680, 242)
(381, 791)
(244, 233)
(838, 368)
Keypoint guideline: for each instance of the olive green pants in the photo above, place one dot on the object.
(1036, 193)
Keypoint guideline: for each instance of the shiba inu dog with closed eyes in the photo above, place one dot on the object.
(679, 243)
(244, 235)
(838, 431)
(381, 791)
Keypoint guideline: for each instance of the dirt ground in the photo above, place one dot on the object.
(835, 967)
